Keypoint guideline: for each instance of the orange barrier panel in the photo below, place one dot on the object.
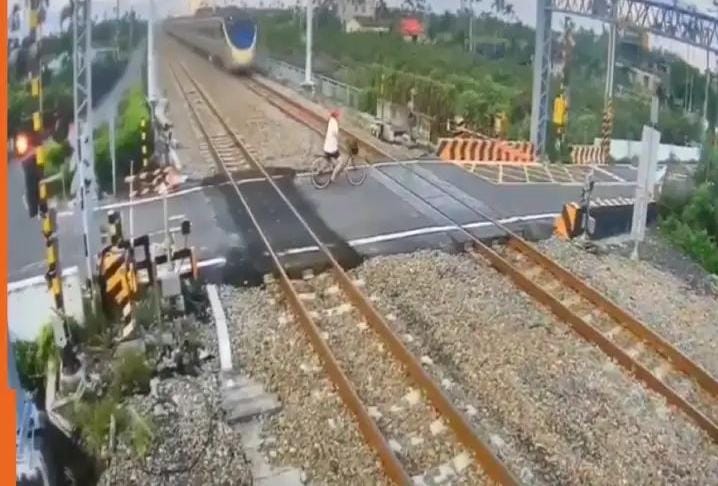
(485, 150)
(586, 154)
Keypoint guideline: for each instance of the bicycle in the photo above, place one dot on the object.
(323, 167)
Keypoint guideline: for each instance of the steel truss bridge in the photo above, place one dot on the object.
(662, 19)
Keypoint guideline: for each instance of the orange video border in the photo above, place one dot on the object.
(7, 396)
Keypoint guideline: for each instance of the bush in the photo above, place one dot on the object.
(697, 243)
(97, 330)
(692, 223)
(32, 358)
(133, 110)
(131, 373)
(93, 420)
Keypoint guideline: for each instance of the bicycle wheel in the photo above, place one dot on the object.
(321, 172)
(355, 172)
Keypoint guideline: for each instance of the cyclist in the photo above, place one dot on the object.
(331, 143)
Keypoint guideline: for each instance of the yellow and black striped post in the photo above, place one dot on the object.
(47, 216)
(54, 277)
(607, 131)
(118, 274)
(144, 143)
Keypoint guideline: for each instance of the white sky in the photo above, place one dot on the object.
(525, 10)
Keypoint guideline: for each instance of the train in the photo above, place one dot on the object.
(226, 39)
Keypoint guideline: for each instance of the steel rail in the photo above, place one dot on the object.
(640, 330)
(368, 427)
(491, 465)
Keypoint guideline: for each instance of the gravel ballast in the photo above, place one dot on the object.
(313, 431)
(669, 304)
(192, 444)
(555, 408)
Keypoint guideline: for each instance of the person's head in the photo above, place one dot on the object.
(334, 113)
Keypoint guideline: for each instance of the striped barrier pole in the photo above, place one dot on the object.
(117, 270)
(144, 141)
(607, 131)
(47, 216)
(52, 254)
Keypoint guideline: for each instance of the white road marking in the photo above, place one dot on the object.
(420, 231)
(29, 282)
(176, 217)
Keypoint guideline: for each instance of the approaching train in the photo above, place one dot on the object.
(228, 40)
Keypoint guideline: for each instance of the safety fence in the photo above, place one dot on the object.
(336, 91)
(587, 154)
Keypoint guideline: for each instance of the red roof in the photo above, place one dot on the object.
(411, 26)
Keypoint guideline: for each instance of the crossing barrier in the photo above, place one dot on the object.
(586, 154)
(473, 149)
(118, 282)
(607, 217)
(149, 182)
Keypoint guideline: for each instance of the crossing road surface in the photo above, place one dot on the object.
(397, 209)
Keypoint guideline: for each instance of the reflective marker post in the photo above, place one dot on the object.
(644, 185)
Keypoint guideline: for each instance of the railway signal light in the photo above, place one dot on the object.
(22, 144)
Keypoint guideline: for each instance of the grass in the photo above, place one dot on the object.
(131, 373)
(93, 420)
(141, 434)
(146, 310)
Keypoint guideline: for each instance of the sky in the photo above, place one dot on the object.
(525, 11)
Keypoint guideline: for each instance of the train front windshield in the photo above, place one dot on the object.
(242, 33)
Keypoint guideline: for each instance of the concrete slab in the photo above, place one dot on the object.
(220, 322)
(289, 477)
(31, 304)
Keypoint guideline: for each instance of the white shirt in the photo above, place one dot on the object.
(331, 139)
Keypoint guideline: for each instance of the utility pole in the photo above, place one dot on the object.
(471, 26)
(707, 90)
(151, 74)
(541, 76)
(48, 215)
(82, 101)
(308, 82)
(113, 154)
(607, 125)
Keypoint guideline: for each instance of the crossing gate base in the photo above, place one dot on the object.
(607, 219)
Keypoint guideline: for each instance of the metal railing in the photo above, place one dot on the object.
(337, 91)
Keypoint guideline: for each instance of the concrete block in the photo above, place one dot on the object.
(287, 477)
(232, 380)
(230, 396)
(243, 411)
(220, 321)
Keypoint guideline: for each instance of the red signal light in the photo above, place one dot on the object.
(22, 144)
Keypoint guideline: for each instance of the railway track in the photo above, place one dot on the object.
(629, 342)
(313, 120)
(402, 425)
